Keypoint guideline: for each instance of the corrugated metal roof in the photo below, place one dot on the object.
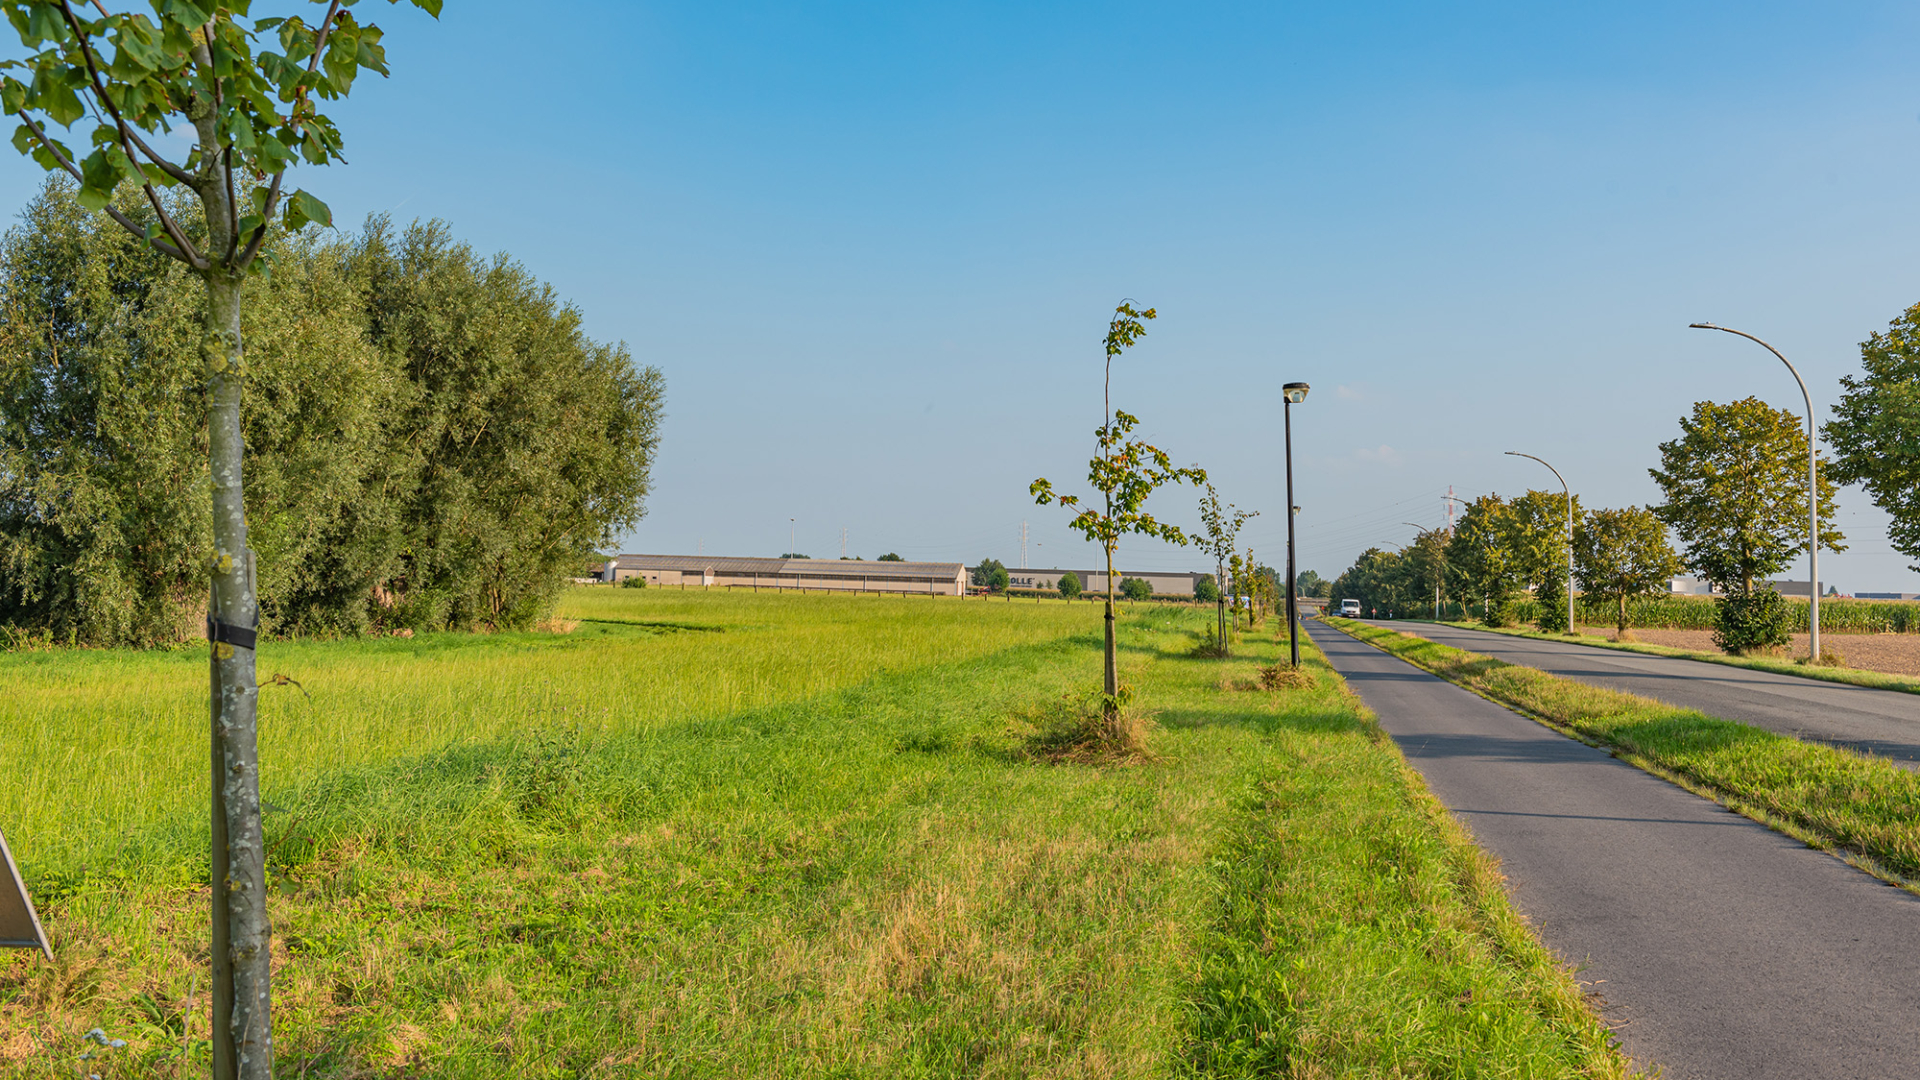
(769, 567)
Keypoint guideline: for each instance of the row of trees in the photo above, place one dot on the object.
(1735, 499)
(432, 441)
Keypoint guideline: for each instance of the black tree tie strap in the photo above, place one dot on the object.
(240, 637)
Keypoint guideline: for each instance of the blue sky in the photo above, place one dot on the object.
(874, 246)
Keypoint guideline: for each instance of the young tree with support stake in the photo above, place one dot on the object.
(1222, 525)
(128, 79)
(1124, 470)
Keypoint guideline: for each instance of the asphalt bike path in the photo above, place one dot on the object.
(1718, 948)
(1881, 722)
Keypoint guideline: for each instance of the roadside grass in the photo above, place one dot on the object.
(1859, 806)
(836, 853)
(1878, 680)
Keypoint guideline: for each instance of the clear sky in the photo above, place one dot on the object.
(874, 246)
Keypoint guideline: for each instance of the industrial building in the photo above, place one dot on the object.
(827, 575)
(1164, 582)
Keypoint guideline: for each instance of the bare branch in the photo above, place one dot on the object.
(112, 211)
(260, 233)
(273, 193)
(194, 258)
(164, 165)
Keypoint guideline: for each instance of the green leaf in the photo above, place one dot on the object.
(98, 178)
(431, 7)
(302, 208)
(13, 95)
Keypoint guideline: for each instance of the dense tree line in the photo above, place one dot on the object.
(432, 441)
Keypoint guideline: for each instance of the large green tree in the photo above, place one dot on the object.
(248, 87)
(1534, 531)
(1125, 470)
(1875, 432)
(1735, 482)
(432, 442)
(1480, 559)
(1620, 554)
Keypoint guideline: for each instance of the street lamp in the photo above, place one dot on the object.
(1569, 491)
(1813, 491)
(1293, 394)
(790, 548)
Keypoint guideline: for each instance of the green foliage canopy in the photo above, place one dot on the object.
(432, 440)
(1069, 585)
(1134, 588)
(1736, 488)
(1875, 432)
(1619, 554)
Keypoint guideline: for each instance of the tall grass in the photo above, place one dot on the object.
(796, 837)
(106, 750)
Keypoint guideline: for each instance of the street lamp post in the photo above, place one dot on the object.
(1813, 490)
(1569, 491)
(790, 548)
(1292, 393)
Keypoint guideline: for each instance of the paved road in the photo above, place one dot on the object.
(1883, 722)
(1722, 950)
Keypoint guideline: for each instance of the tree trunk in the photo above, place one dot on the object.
(1112, 704)
(1623, 613)
(242, 1016)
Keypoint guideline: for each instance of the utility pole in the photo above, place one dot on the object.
(1023, 545)
(843, 541)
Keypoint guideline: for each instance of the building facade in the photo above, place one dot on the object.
(822, 575)
(1164, 582)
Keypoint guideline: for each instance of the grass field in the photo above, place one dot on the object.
(708, 835)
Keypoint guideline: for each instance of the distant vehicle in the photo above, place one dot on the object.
(1350, 609)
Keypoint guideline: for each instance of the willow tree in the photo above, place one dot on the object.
(1125, 471)
(246, 90)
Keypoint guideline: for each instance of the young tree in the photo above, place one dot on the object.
(1623, 553)
(1875, 432)
(253, 113)
(1222, 525)
(1069, 585)
(1734, 483)
(1125, 471)
(1136, 589)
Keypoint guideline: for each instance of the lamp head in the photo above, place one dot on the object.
(1701, 326)
(1294, 392)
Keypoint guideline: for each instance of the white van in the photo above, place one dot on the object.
(1349, 609)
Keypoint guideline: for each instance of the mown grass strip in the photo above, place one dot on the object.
(1362, 933)
(1832, 799)
(1878, 680)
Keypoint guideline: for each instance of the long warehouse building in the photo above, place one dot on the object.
(833, 575)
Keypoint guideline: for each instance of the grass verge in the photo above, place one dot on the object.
(1878, 680)
(1862, 807)
(862, 868)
